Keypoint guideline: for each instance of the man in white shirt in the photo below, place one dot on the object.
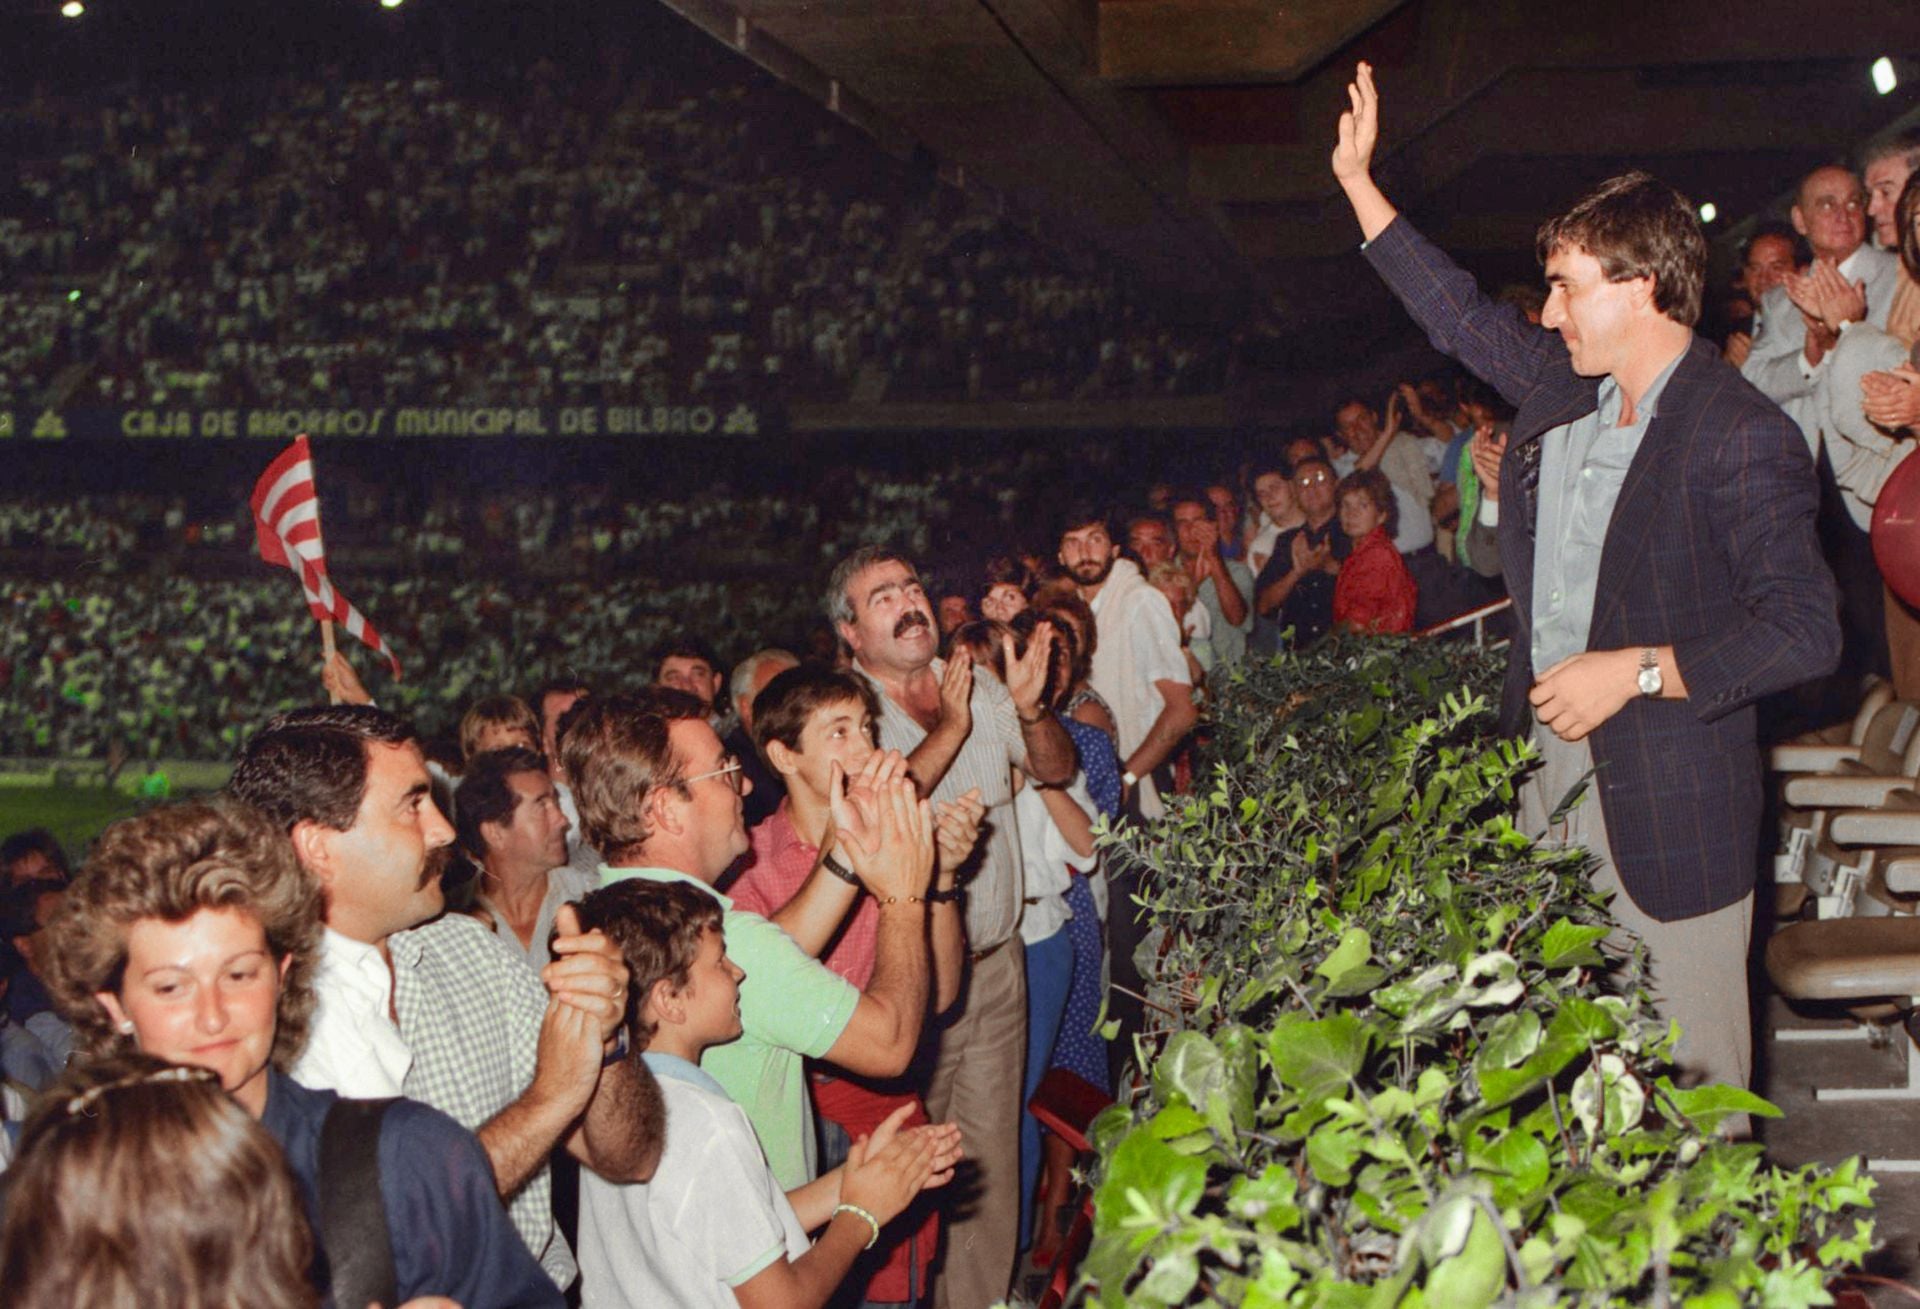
(1139, 670)
(1137, 665)
(434, 1007)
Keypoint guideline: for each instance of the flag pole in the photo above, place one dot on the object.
(327, 650)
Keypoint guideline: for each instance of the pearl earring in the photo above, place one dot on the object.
(126, 1027)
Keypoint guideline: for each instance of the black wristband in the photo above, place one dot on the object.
(949, 896)
(831, 862)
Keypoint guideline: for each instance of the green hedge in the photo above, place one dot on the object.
(1391, 1064)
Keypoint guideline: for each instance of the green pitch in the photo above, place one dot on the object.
(74, 814)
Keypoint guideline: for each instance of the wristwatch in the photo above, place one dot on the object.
(1650, 673)
(1129, 778)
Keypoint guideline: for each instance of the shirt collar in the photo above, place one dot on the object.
(680, 1070)
(356, 967)
(1611, 394)
(609, 875)
(785, 832)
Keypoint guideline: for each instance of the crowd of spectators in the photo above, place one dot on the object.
(331, 242)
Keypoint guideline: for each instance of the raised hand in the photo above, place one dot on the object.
(956, 830)
(1359, 129)
(894, 860)
(341, 683)
(1488, 450)
(1027, 674)
(588, 972)
(956, 693)
(884, 1181)
(1739, 346)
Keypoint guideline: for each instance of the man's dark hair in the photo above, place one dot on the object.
(1189, 495)
(34, 840)
(784, 706)
(658, 927)
(686, 646)
(555, 686)
(1082, 513)
(839, 604)
(1637, 226)
(311, 764)
(1766, 227)
(486, 794)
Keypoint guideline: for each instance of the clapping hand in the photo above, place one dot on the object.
(1891, 399)
(588, 972)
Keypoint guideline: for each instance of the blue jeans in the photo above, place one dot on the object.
(1049, 977)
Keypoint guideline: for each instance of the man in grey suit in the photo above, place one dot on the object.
(1656, 532)
(1848, 281)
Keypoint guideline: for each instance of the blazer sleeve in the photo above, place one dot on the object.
(1762, 502)
(1494, 341)
(1774, 363)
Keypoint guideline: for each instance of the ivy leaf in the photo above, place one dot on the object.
(1331, 1153)
(1190, 1066)
(1510, 1041)
(1570, 945)
(1266, 1200)
(1148, 1187)
(1706, 1107)
(1354, 949)
(1522, 1162)
(1316, 1058)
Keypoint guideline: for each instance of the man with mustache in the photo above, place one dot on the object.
(435, 1007)
(960, 733)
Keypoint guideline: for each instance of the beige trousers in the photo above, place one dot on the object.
(976, 1083)
(1698, 965)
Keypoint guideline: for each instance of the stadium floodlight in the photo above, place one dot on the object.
(72, 9)
(1709, 211)
(391, 4)
(1884, 78)
(73, 295)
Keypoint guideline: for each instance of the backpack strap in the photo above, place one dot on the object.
(353, 1214)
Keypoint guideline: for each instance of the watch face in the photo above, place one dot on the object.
(1649, 681)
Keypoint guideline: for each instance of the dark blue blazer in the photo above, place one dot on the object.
(1711, 550)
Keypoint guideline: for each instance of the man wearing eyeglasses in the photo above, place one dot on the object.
(1295, 589)
(1848, 282)
(660, 794)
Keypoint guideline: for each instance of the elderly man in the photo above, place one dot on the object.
(750, 676)
(1867, 399)
(432, 1006)
(1848, 281)
(964, 733)
(1656, 530)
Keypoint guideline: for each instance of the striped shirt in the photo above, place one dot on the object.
(997, 890)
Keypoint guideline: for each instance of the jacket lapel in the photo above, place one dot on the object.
(1649, 477)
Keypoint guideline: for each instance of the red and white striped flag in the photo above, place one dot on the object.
(286, 516)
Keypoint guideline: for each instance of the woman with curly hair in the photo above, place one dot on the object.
(191, 934)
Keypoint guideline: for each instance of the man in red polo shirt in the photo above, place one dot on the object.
(815, 728)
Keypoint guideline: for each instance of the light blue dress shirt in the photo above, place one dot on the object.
(1583, 465)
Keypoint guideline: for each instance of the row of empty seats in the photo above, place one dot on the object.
(1847, 885)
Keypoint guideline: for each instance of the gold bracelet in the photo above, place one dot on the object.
(903, 899)
(858, 1212)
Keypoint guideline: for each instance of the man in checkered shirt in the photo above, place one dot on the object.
(413, 1002)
